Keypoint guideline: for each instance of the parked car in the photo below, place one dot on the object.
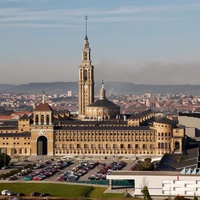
(35, 194)
(28, 178)
(61, 178)
(94, 177)
(20, 194)
(9, 193)
(5, 167)
(4, 192)
(45, 195)
(13, 178)
(72, 178)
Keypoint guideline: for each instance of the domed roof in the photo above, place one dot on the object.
(43, 106)
(103, 103)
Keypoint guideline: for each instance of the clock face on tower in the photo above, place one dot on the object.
(85, 86)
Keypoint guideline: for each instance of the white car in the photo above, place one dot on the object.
(5, 192)
(64, 158)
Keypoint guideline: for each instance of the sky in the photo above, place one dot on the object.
(138, 41)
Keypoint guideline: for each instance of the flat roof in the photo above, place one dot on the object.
(147, 173)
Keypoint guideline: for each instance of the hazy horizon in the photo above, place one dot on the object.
(143, 42)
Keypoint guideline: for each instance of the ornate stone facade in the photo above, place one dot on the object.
(111, 137)
(52, 133)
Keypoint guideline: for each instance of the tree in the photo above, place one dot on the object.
(145, 165)
(195, 197)
(145, 193)
(180, 198)
(4, 160)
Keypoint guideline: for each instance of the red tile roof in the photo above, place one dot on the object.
(21, 113)
(3, 117)
(43, 107)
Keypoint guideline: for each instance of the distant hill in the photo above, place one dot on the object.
(111, 88)
(5, 87)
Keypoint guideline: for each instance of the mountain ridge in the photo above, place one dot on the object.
(111, 87)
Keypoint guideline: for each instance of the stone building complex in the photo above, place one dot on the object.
(99, 129)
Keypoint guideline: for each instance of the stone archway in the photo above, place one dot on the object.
(42, 145)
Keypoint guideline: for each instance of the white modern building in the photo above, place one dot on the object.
(161, 183)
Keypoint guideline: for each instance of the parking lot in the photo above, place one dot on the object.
(69, 169)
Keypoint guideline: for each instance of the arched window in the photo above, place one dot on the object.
(42, 119)
(47, 119)
(85, 75)
(36, 119)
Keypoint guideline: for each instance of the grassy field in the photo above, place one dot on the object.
(59, 190)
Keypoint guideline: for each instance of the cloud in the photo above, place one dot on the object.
(30, 15)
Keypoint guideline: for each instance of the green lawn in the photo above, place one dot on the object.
(59, 190)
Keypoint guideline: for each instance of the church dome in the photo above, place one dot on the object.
(102, 108)
(103, 103)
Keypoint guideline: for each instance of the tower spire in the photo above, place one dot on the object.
(86, 18)
(43, 93)
(86, 76)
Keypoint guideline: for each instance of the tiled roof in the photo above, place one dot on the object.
(174, 162)
(24, 117)
(8, 123)
(104, 128)
(138, 115)
(43, 107)
(23, 134)
(3, 117)
(21, 113)
(165, 120)
(113, 122)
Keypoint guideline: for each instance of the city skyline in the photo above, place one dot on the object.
(144, 42)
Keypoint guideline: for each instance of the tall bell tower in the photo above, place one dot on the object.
(86, 77)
